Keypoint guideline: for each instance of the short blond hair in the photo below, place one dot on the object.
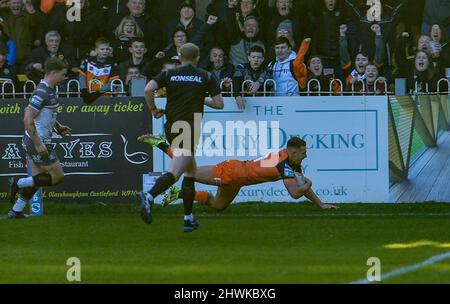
(189, 52)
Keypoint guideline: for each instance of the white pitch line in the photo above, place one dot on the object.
(403, 270)
(324, 214)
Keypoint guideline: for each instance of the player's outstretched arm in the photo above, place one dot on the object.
(312, 196)
(297, 190)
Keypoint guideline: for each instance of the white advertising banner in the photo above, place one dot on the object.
(347, 141)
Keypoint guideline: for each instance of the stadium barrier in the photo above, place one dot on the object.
(414, 123)
(102, 159)
(118, 89)
(347, 140)
(63, 90)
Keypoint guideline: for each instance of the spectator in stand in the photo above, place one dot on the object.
(436, 12)
(253, 73)
(286, 67)
(355, 72)
(199, 32)
(179, 38)
(168, 10)
(79, 35)
(238, 11)
(388, 22)
(150, 27)
(373, 83)
(440, 50)
(221, 71)
(127, 30)
(12, 51)
(436, 46)
(421, 73)
(284, 30)
(283, 12)
(172, 51)
(186, 21)
(7, 73)
(34, 66)
(313, 70)
(97, 72)
(133, 73)
(244, 42)
(326, 19)
(137, 59)
(20, 22)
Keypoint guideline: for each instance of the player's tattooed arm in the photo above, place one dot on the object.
(30, 115)
(296, 190)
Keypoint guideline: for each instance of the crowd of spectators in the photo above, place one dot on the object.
(300, 44)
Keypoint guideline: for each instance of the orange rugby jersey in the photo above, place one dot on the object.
(271, 168)
(98, 74)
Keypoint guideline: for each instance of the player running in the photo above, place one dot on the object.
(40, 121)
(231, 175)
(186, 86)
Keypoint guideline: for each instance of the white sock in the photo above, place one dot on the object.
(189, 217)
(26, 182)
(19, 205)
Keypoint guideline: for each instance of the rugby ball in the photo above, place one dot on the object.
(300, 179)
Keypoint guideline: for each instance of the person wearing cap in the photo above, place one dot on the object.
(186, 20)
(282, 12)
(11, 46)
(200, 33)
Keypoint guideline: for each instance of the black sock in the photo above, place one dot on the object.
(163, 147)
(188, 194)
(42, 180)
(163, 183)
(27, 193)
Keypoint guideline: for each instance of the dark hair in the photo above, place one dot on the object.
(296, 142)
(54, 65)
(282, 40)
(256, 49)
(180, 29)
(364, 53)
(314, 56)
(136, 39)
(217, 47)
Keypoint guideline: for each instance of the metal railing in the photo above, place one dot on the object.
(73, 89)
(9, 89)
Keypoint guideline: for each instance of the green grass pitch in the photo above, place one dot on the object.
(248, 243)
